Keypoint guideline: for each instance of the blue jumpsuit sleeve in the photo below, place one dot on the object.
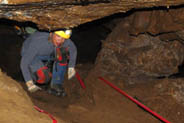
(73, 54)
(27, 58)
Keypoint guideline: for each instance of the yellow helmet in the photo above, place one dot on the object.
(64, 34)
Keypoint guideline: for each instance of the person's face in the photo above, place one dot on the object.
(57, 40)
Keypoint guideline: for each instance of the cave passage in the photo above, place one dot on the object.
(135, 51)
(87, 38)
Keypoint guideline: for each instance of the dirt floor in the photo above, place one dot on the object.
(105, 105)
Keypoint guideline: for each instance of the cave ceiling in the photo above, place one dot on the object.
(53, 14)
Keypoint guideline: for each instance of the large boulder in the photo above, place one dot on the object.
(129, 56)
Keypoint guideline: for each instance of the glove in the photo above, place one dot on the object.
(71, 72)
(32, 87)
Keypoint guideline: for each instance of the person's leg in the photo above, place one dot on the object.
(38, 69)
(34, 66)
(58, 74)
(58, 79)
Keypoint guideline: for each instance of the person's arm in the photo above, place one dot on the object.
(72, 60)
(26, 60)
(73, 54)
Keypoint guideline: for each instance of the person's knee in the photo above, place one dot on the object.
(43, 75)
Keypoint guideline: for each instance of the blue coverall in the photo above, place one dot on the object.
(36, 49)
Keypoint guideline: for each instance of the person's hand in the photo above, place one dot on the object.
(32, 87)
(71, 72)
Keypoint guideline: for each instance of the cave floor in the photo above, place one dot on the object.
(109, 106)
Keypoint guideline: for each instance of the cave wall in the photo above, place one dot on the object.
(138, 48)
(157, 21)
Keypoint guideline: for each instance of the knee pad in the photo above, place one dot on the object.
(43, 75)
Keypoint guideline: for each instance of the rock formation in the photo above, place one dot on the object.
(61, 13)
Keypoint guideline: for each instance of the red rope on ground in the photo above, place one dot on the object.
(42, 111)
(134, 100)
(80, 80)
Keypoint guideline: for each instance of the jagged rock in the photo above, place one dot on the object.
(129, 56)
(61, 13)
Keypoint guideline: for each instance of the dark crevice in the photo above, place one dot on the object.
(180, 73)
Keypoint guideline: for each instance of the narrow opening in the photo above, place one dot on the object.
(87, 38)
